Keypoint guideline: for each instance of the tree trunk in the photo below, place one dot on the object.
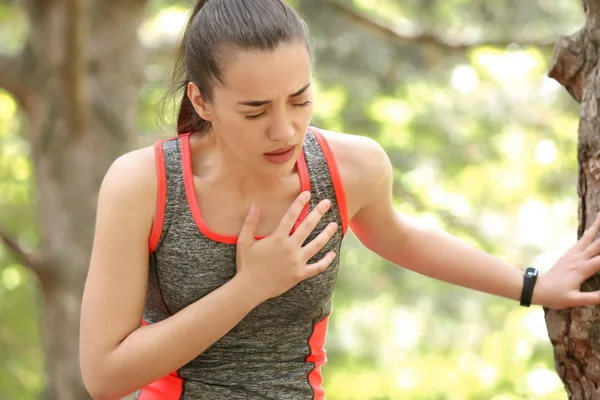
(78, 81)
(575, 333)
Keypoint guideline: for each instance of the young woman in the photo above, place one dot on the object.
(216, 252)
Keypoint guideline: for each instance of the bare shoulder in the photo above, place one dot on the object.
(135, 170)
(355, 150)
(363, 164)
(131, 182)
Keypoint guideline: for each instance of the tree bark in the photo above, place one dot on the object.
(575, 333)
(78, 81)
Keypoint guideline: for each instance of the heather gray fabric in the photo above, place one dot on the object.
(264, 356)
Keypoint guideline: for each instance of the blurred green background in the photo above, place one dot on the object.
(483, 144)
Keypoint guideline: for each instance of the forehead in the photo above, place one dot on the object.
(267, 74)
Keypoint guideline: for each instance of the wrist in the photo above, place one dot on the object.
(540, 292)
(530, 290)
(248, 290)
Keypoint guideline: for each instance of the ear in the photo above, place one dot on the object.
(198, 102)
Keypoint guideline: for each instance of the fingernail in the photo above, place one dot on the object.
(333, 225)
(252, 210)
(326, 202)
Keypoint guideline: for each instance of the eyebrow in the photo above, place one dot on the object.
(258, 103)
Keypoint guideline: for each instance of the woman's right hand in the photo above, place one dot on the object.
(273, 265)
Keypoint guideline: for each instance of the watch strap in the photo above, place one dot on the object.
(529, 280)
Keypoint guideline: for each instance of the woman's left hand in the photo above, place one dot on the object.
(560, 287)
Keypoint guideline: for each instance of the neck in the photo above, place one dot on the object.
(214, 162)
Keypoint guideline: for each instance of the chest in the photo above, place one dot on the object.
(197, 251)
(224, 209)
(189, 266)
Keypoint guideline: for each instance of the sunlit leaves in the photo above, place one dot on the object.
(14, 27)
(21, 354)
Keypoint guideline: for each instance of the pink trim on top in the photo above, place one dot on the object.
(318, 356)
(335, 176)
(161, 196)
(190, 191)
(304, 186)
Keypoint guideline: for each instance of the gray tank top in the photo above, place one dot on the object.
(277, 350)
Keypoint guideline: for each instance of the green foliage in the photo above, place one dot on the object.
(21, 353)
(13, 27)
(483, 146)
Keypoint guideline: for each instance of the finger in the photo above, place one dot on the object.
(246, 237)
(312, 248)
(311, 221)
(586, 299)
(291, 216)
(319, 266)
(590, 234)
(592, 250)
(591, 266)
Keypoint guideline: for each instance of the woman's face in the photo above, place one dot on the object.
(263, 109)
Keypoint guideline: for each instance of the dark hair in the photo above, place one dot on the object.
(218, 26)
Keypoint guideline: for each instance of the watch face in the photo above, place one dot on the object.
(532, 272)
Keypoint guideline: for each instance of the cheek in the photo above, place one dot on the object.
(306, 112)
(305, 116)
(228, 124)
(238, 134)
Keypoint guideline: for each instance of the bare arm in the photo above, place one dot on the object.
(439, 255)
(117, 355)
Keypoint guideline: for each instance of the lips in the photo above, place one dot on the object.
(280, 150)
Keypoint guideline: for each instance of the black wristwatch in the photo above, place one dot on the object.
(529, 280)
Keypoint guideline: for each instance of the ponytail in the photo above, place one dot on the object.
(188, 119)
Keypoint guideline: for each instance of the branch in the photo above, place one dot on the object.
(569, 65)
(575, 55)
(28, 260)
(423, 39)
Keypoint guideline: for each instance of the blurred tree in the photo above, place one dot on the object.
(575, 333)
(77, 80)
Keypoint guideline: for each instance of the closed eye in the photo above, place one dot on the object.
(257, 116)
(305, 104)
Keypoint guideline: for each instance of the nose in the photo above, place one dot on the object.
(281, 130)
